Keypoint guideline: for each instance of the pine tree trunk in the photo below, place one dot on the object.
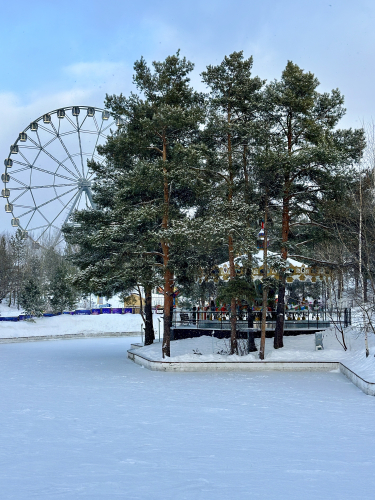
(168, 276)
(168, 307)
(233, 312)
(232, 270)
(149, 328)
(280, 311)
(279, 330)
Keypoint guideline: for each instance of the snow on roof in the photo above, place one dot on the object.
(259, 258)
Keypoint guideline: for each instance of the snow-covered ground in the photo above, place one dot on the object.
(68, 324)
(9, 311)
(298, 348)
(80, 420)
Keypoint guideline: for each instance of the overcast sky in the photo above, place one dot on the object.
(57, 54)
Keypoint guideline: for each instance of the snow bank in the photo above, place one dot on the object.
(69, 324)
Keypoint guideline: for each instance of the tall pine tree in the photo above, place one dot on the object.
(234, 103)
(308, 152)
(162, 124)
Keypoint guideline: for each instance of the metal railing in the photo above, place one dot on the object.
(294, 319)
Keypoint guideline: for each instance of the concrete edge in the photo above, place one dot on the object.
(311, 366)
(68, 336)
(365, 386)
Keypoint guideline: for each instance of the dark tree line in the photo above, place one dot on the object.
(34, 278)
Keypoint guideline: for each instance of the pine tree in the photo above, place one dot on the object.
(114, 254)
(62, 294)
(308, 152)
(234, 103)
(31, 298)
(18, 244)
(162, 128)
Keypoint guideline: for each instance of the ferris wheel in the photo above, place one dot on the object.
(46, 173)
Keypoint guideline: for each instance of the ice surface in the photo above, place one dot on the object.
(80, 420)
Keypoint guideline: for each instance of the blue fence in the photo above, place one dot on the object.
(78, 312)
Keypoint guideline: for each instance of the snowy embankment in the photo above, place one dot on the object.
(71, 325)
(298, 348)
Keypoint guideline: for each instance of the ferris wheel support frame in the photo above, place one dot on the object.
(83, 189)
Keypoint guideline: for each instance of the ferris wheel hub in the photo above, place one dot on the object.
(84, 183)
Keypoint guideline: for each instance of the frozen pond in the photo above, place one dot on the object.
(80, 420)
